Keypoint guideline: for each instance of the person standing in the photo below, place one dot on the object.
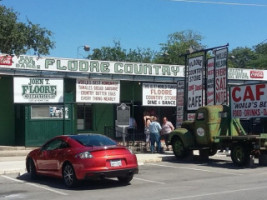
(147, 121)
(167, 128)
(155, 129)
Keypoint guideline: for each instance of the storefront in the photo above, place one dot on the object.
(43, 97)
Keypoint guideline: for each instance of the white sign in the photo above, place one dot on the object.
(249, 101)
(195, 83)
(159, 94)
(97, 91)
(247, 74)
(210, 82)
(90, 66)
(221, 76)
(38, 90)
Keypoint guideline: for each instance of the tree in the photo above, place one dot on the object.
(261, 57)
(178, 43)
(241, 57)
(17, 37)
(116, 53)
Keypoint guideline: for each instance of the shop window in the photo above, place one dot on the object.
(84, 117)
(49, 112)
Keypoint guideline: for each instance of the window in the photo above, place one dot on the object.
(223, 114)
(200, 116)
(48, 111)
(55, 144)
(93, 140)
(84, 117)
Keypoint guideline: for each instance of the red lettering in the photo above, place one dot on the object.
(234, 92)
(258, 91)
(248, 94)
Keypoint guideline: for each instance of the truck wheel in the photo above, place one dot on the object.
(240, 155)
(212, 151)
(178, 148)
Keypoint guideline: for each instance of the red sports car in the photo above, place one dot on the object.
(85, 156)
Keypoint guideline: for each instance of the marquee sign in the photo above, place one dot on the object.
(38, 90)
(90, 66)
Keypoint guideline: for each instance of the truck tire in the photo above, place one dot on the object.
(178, 148)
(240, 155)
(212, 151)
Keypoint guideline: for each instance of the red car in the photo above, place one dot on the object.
(85, 156)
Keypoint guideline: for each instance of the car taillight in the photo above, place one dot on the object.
(84, 155)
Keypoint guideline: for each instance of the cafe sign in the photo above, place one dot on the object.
(38, 90)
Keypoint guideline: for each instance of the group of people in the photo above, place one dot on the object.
(154, 131)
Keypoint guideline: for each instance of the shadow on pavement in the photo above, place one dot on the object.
(81, 185)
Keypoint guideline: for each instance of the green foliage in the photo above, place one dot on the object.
(17, 37)
(177, 44)
(116, 53)
(240, 57)
(244, 57)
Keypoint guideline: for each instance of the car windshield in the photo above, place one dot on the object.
(93, 140)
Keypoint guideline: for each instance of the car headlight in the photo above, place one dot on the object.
(84, 155)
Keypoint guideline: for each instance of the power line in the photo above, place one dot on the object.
(222, 3)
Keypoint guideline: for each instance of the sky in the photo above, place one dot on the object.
(143, 23)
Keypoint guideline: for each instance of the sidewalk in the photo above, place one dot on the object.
(16, 164)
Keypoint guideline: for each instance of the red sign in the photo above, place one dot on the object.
(5, 60)
(256, 74)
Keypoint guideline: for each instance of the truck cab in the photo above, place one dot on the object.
(203, 134)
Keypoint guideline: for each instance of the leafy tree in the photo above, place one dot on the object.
(240, 57)
(177, 44)
(17, 37)
(116, 53)
(261, 57)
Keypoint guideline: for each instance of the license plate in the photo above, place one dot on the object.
(115, 163)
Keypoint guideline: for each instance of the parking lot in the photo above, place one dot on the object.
(216, 179)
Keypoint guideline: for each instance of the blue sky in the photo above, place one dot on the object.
(143, 23)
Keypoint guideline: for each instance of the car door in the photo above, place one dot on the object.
(48, 159)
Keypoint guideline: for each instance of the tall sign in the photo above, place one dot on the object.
(180, 104)
(221, 76)
(210, 82)
(195, 83)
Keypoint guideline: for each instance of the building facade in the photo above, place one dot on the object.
(42, 97)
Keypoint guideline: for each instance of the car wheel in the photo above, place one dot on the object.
(31, 168)
(69, 176)
(125, 179)
(178, 148)
(240, 155)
